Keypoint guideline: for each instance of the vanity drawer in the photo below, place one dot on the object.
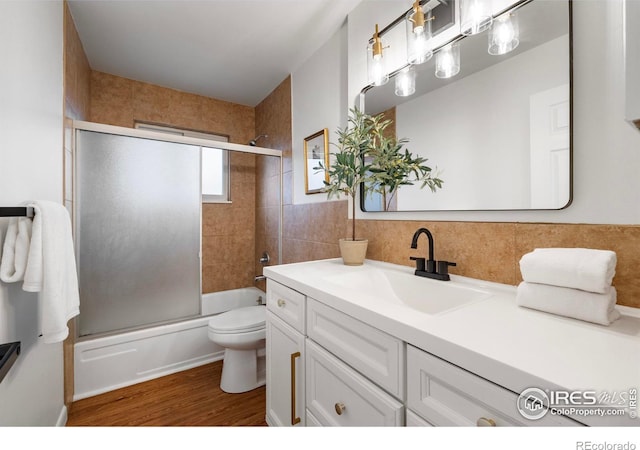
(339, 396)
(287, 304)
(365, 348)
(446, 395)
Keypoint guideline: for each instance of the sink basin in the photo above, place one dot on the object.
(403, 288)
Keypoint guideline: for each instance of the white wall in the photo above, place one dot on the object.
(606, 148)
(31, 102)
(318, 101)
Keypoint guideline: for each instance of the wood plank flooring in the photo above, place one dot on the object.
(189, 398)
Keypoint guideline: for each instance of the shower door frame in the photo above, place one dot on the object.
(79, 125)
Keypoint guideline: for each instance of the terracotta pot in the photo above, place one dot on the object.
(353, 252)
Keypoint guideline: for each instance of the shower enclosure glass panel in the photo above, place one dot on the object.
(137, 231)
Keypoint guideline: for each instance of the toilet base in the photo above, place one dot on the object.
(242, 371)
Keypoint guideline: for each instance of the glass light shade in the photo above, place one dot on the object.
(504, 35)
(475, 16)
(419, 49)
(448, 61)
(406, 82)
(376, 67)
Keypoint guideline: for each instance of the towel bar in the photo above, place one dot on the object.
(8, 355)
(16, 211)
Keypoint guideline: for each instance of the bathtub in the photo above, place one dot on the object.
(105, 363)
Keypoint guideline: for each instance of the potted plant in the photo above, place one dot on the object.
(365, 155)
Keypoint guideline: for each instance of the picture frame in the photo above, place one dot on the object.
(316, 150)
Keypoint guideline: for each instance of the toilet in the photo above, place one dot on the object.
(242, 333)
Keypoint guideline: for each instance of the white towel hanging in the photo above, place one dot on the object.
(51, 270)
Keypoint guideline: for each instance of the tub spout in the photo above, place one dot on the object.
(259, 278)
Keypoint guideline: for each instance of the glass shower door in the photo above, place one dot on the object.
(137, 231)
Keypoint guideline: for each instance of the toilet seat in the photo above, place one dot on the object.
(239, 320)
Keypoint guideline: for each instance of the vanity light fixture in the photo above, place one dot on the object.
(375, 62)
(448, 61)
(475, 16)
(419, 48)
(406, 82)
(504, 35)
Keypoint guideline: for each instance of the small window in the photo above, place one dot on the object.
(215, 163)
(215, 175)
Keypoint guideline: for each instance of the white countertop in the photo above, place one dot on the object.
(493, 337)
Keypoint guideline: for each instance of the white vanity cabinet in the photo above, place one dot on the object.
(379, 349)
(285, 356)
(308, 385)
(443, 394)
(328, 368)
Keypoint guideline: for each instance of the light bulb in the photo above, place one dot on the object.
(376, 69)
(475, 16)
(377, 76)
(504, 36)
(448, 61)
(406, 82)
(419, 49)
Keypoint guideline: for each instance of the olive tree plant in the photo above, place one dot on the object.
(364, 155)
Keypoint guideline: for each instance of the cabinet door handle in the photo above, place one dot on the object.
(484, 422)
(294, 419)
(340, 408)
(280, 303)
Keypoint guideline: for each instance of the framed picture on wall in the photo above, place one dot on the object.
(316, 151)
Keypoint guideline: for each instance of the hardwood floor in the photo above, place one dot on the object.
(189, 398)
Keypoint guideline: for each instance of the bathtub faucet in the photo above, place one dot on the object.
(259, 278)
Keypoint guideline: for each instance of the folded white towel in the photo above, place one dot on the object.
(583, 305)
(15, 250)
(51, 270)
(579, 268)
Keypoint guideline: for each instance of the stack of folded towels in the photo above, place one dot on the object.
(571, 282)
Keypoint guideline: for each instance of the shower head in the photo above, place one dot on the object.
(254, 140)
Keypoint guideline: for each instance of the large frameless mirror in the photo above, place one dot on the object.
(499, 131)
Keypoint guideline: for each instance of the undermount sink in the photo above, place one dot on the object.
(404, 288)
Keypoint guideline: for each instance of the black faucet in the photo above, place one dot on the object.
(438, 270)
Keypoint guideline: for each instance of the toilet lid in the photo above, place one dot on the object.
(246, 319)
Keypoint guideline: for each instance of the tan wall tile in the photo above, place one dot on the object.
(111, 100)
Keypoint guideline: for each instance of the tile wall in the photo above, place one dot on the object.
(309, 231)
